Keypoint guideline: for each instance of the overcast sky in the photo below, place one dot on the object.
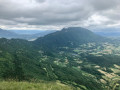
(56, 14)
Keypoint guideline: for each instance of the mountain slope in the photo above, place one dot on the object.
(23, 34)
(108, 32)
(7, 34)
(20, 60)
(72, 36)
(85, 60)
(32, 32)
(34, 86)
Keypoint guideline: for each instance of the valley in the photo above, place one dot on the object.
(74, 57)
(29, 35)
(59, 44)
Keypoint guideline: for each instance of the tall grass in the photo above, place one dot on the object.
(14, 85)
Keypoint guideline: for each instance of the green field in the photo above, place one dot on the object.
(14, 85)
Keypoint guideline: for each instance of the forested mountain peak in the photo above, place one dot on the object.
(70, 36)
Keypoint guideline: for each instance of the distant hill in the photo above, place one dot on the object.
(31, 32)
(72, 36)
(38, 34)
(25, 34)
(7, 34)
(108, 32)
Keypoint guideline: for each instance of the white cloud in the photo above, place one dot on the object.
(35, 14)
(96, 20)
(22, 19)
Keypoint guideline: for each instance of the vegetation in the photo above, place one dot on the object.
(14, 85)
(63, 56)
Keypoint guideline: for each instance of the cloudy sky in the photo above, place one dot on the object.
(56, 14)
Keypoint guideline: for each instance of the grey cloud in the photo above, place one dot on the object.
(7, 22)
(40, 1)
(104, 4)
(58, 12)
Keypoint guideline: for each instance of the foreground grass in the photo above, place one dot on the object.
(13, 85)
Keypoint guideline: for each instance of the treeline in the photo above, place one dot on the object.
(105, 60)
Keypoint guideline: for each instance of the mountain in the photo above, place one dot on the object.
(82, 59)
(72, 36)
(32, 32)
(32, 37)
(108, 32)
(25, 34)
(7, 34)
(20, 60)
(10, 34)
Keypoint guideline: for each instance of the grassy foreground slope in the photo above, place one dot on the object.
(13, 85)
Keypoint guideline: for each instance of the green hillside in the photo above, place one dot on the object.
(12, 85)
(71, 37)
(73, 56)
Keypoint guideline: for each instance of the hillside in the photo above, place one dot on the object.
(108, 32)
(26, 63)
(7, 34)
(82, 59)
(23, 34)
(72, 36)
(7, 85)
(32, 32)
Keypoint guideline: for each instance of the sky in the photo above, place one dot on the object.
(56, 14)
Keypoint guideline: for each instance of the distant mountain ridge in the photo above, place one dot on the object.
(71, 36)
(26, 34)
(32, 32)
(7, 34)
(108, 32)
